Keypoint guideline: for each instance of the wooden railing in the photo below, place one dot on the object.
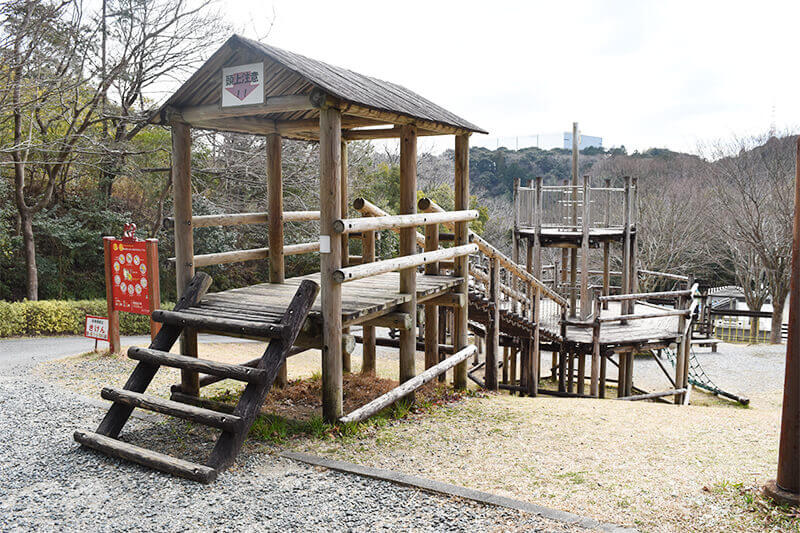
(252, 254)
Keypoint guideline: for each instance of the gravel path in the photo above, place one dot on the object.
(48, 484)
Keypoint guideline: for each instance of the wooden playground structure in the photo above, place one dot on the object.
(464, 284)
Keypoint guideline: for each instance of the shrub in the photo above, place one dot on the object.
(62, 317)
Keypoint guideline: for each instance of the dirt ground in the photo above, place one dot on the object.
(653, 466)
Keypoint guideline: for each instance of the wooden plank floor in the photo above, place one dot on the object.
(361, 299)
(635, 331)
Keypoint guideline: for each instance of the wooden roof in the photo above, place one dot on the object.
(364, 101)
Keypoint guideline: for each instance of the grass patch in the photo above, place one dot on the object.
(295, 411)
(757, 509)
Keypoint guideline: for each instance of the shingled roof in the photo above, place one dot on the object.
(290, 73)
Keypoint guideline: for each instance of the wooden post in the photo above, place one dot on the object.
(493, 327)
(607, 246)
(113, 315)
(622, 367)
(184, 238)
(431, 311)
(634, 218)
(275, 224)
(515, 242)
(603, 364)
(330, 138)
(153, 286)
(680, 353)
(444, 319)
(505, 365)
(537, 294)
(346, 361)
(408, 246)
(461, 269)
(573, 256)
(585, 218)
(594, 386)
(786, 488)
(626, 248)
(368, 332)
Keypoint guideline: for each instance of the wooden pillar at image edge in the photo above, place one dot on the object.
(275, 223)
(346, 364)
(330, 139)
(786, 488)
(408, 246)
(184, 239)
(461, 263)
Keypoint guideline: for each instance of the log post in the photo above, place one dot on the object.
(594, 387)
(562, 352)
(346, 361)
(330, 137)
(786, 488)
(431, 310)
(493, 327)
(275, 224)
(113, 314)
(603, 364)
(585, 219)
(444, 319)
(607, 246)
(626, 248)
(515, 243)
(153, 287)
(680, 353)
(634, 217)
(408, 246)
(573, 256)
(368, 332)
(622, 368)
(184, 238)
(461, 270)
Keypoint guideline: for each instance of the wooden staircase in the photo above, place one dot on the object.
(234, 426)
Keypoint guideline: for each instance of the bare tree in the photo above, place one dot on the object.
(753, 180)
(54, 84)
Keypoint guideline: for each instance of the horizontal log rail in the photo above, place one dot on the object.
(408, 387)
(665, 275)
(398, 263)
(239, 219)
(645, 295)
(652, 395)
(253, 254)
(378, 223)
(367, 208)
(643, 316)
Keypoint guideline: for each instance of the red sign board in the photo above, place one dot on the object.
(129, 276)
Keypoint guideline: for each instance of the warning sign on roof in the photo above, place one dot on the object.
(243, 85)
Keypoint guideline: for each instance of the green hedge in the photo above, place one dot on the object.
(60, 317)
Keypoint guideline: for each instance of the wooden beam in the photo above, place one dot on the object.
(431, 308)
(408, 247)
(403, 221)
(461, 270)
(449, 299)
(408, 387)
(275, 203)
(368, 332)
(395, 320)
(272, 104)
(493, 327)
(184, 238)
(400, 263)
(330, 260)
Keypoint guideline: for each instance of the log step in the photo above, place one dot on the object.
(237, 372)
(220, 325)
(207, 417)
(143, 456)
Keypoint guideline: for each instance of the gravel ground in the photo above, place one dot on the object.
(47, 483)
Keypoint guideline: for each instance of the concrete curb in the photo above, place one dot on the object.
(456, 491)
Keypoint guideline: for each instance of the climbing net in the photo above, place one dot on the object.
(699, 378)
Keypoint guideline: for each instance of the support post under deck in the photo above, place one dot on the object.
(461, 263)
(408, 246)
(275, 224)
(330, 138)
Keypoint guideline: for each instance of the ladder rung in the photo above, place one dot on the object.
(143, 456)
(204, 366)
(206, 417)
(222, 325)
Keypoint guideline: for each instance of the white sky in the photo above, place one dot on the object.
(640, 73)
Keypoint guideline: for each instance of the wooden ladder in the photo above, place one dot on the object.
(234, 426)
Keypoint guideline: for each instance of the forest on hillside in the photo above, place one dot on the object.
(79, 160)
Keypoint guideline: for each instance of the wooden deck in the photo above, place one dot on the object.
(568, 238)
(361, 300)
(650, 330)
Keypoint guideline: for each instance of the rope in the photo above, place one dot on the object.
(698, 376)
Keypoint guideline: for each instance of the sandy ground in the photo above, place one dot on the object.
(653, 466)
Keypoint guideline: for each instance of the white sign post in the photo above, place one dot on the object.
(96, 328)
(243, 85)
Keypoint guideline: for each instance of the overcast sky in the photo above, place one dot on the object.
(640, 73)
